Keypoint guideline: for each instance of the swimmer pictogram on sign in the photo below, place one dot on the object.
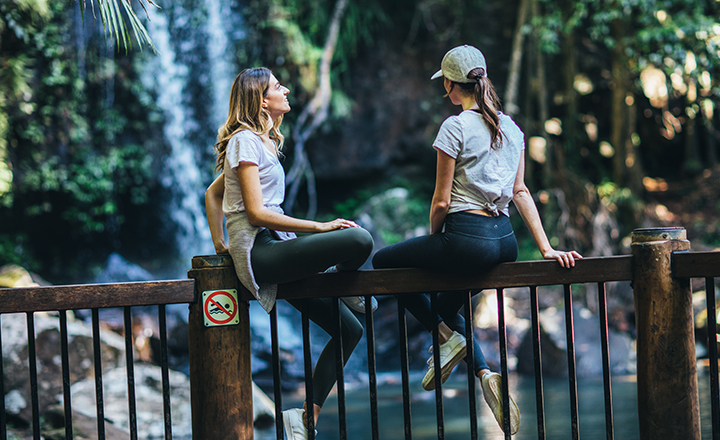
(220, 307)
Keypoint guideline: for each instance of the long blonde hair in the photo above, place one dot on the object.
(247, 113)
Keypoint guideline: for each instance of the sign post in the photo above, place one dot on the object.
(219, 342)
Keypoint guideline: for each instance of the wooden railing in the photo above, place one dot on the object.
(663, 306)
(660, 269)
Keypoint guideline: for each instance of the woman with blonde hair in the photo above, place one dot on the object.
(480, 169)
(262, 240)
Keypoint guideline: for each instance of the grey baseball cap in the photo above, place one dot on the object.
(459, 61)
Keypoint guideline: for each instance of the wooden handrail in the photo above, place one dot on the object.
(400, 281)
(696, 264)
(91, 296)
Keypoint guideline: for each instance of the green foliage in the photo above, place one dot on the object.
(115, 25)
(13, 251)
(72, 163)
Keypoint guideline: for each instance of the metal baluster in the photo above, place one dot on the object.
(438, 370)
(65, 362)
(339, 366)
(472, 394)
(537, 356)
(3, 417)
(503, 363)
(130, 370)
(713, 356)
(607, 386)
(99, 403)
(404, 367)
(167, 415)
(32, 361)
(572, 375)
(370, 338)
(279, 429)
(308, 371)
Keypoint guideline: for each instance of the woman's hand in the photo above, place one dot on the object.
(566, 259)
(221, 247)
(338, 223)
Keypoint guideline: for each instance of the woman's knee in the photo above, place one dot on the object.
(359, 239)
(352, 332)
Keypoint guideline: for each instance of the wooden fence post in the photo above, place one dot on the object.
(668, 403)
(220, 373)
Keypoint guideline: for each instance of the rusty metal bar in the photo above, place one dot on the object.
(572, 373)
(65, 362)
(404, 367)
(130, 370)
(3, 417)
(605, 343)
(537, 361)
(97, 356)
(32, 361)
(372, 368)
(339, 370)
(164, 369)
(713, 356)
(504, 363)
(472, 389)
(279, 428)
(438, 371)
(307, 355)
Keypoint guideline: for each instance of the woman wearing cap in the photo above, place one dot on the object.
(262, 243)
(480, 169)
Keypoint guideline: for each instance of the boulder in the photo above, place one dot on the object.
(47, 350)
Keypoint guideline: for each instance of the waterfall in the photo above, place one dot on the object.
(191, 77)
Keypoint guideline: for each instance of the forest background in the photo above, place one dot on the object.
(106, 144)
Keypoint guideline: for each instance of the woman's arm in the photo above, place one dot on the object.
(443, 186)
(528, 211)
(213, 211)
(259, 215)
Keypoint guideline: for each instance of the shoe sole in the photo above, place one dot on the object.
(496, 390)
(428, 383)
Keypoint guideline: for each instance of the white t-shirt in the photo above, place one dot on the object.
(246, 146)
(484, 178)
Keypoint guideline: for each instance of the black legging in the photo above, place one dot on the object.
(275, 261)
(470, 243)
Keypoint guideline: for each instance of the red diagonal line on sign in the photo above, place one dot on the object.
(219, 306)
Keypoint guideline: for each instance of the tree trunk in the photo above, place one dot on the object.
(314, 114)
(543, 111)
(618, 108)
(511, 88)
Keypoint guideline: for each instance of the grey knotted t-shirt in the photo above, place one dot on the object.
(484, 177)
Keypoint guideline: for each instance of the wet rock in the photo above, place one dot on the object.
(48, 357)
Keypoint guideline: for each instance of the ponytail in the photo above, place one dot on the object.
(487, 99)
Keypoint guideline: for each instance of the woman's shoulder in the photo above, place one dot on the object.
(245, 137)
(511, 130)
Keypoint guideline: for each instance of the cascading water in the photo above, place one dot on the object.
(191, 76)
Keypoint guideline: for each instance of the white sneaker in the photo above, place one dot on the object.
(294, 425)
(491, 384)
(357, 303)
(451, 352)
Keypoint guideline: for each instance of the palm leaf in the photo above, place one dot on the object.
(114, 22)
